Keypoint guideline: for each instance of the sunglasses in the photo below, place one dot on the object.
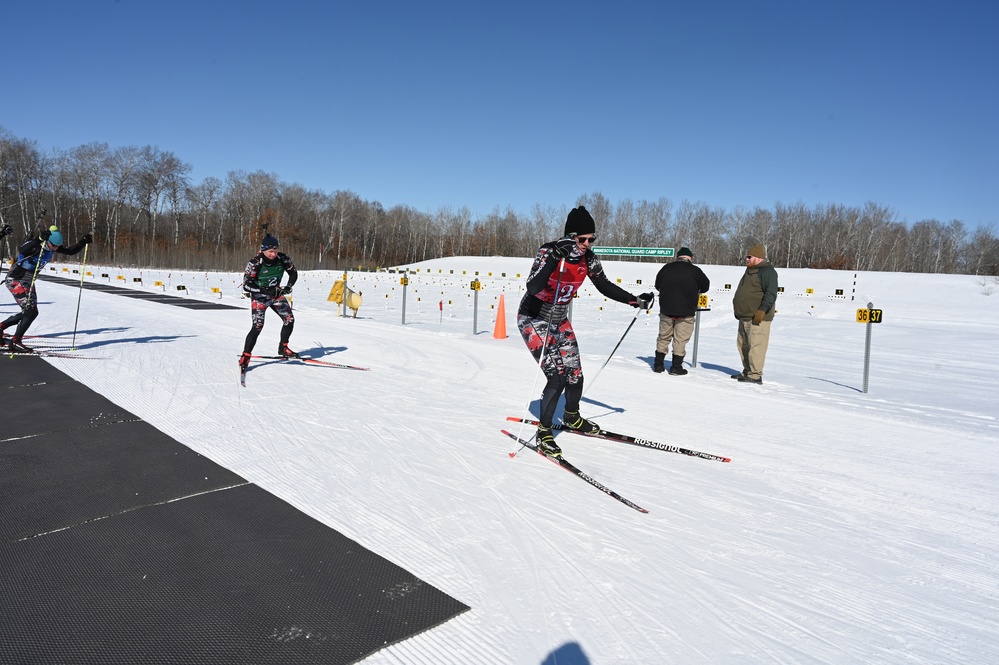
(586, 239)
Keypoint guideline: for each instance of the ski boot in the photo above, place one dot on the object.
(285, 352)
(572, 420)
(546, 442)
(244, 360)
(16, 346)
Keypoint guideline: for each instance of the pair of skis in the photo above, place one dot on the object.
(606, 436)
(44, 353)
(307, 361)
(312, 361)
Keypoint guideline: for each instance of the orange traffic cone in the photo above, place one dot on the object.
(499, 332)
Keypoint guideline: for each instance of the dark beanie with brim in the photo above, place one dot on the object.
(579, 222)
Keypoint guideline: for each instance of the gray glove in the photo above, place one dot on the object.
(643, 301)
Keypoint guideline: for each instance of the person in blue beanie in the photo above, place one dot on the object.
(32, 256)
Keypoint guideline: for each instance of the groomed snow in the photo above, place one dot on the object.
(848, 528)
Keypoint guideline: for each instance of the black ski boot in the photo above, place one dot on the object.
(660, 365)
(17, 346)
(244, 360)
(573, 420)
(546, 442)
(285, 352)
(676, 369)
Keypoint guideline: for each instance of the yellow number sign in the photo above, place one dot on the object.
(868, 316)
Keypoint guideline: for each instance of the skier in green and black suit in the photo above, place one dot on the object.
(262, 280)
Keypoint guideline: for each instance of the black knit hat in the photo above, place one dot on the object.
(685, 251)
(269, 242)
(579, 222)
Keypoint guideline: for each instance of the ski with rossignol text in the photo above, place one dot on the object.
(630, 440)
(571, 468)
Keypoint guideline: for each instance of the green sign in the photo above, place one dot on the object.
(635, 251)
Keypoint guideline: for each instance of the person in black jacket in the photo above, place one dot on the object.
(679, 283)
(32, 256)
(559, 270)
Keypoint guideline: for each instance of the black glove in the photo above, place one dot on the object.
(283, 290)
(643, 301)
(44, 235)
(564, 247)
(87, 239)
(6, 230)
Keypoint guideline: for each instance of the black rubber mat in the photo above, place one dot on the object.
(188, 303)
(121, 545)
(52, 402)
(61, 479)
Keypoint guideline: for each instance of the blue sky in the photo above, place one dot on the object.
(496, 105)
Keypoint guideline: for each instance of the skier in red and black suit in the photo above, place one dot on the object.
(557, 274)
(262, 280)
(33, 255)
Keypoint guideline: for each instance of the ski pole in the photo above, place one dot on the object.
(79, 297)
(638, 310)
(541, 359)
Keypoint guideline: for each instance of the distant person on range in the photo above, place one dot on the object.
(32, 256)
(5, 231)
(262, 281)
(754, 305)
(679, 284)
(559, 269)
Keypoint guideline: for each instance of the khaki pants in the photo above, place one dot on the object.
(752, 343)
(678, 330)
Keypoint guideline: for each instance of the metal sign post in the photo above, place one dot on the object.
(702, 306)
(868, 316)
(405, 283)
(476, 285)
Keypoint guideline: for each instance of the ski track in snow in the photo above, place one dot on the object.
(848, 528)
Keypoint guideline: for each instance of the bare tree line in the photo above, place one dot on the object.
(143, 210)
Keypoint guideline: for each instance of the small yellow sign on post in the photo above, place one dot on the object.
(336, 293)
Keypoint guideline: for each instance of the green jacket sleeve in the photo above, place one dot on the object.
(768, 281)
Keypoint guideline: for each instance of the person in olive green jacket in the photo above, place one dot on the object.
(754, 305)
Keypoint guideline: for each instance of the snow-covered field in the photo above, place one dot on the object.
(848, 528)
